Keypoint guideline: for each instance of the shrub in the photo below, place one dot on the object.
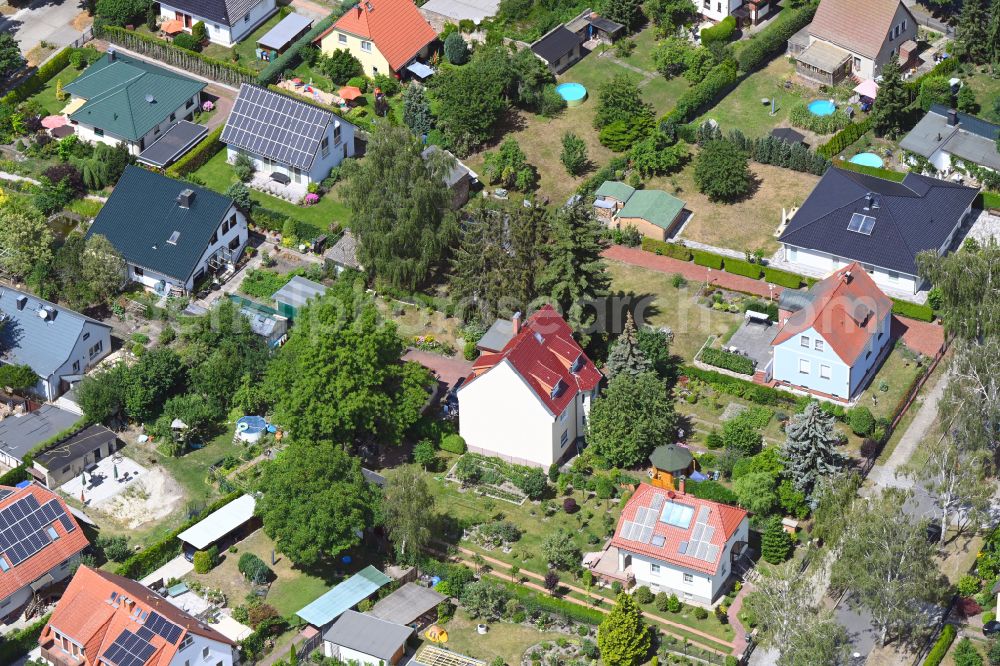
(243, 167)
(782, 278)
(940, 649)
(861, 421)
(253, 568)
(771, 40)
(532, 483)
(205, 560)
(801, 116)
(844, 138)
(711, 490)
(662, 601)
(720, 32)
(341, 66)
(665, 249)
(387, 84)
(643, 595)
(700, 613)
(455, 49)
(20, 642)
(453, 443)
(199, 32)
(912, 310)
(188, 42)
(570, 506)
(719, 80)
(744, 268)
(968, 585)
(722, 358)
(707, 259)
(199, 155)
(115, 548)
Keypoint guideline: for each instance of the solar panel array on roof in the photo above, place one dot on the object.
(128, 649)
(275, 126)
(164, 627)
(636, 532)
(24, 527)
(862, 224)
(4, 493)
(700, 545)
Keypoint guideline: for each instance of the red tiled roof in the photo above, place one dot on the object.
(50, 556)
(86, 615)
(396, 27)
(722, 518)
(860, 26)
(839, 303)
(543, 353)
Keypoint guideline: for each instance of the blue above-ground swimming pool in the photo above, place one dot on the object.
(867, 159)
(250, 428)
(822, 107)
(573, 93)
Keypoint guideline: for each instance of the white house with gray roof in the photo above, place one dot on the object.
(945, 136)
(60, 345)
(226, 21)
(365, 639)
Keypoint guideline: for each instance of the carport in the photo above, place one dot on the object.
(173, 144)
(410, 604)
(229, 523)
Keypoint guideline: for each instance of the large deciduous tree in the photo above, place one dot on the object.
(969, 284)
(810, 449)
(722, 171)
(25, 237)
(102, 266)
(314, 501)
(158, 375)
(631, 418)
(623, 638)
(400, 208)
(955, 478)
(10, 54)
(408, 511)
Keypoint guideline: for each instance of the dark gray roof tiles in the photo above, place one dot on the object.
(227, 12)
(556, 44)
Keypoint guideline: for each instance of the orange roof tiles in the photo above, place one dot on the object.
(846, 309)
(86, 615)
(51, 555)
(725, 520)
(543, 353)
(396, 27)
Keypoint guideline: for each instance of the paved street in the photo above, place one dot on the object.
(48, 20)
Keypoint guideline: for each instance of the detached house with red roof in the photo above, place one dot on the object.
(39, 542)
(678, 543)
(530, 391)
(386, 36)
(833, 337)
(107, 620)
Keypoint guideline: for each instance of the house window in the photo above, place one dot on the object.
(857, 63)
(654, 569)
(903, 24)
(564, 415)
(65, 469)
(235, 243)
(336, 135)
(51, 531)
(232, 221)
(86, 335)
(824, 371)
(804, 341)
(818, 345)
(186, 643)
(246, 19)
(718, 6)
(342, 38)
(98, 131)
(3, 564)
(214, 239)
(324, 147)
(76, 366)
(172, 117)
(803, 366)
(688, 578)
(893, 276)
(190, 102)
(97, 349)
(366, 47)
(138, 271)
(374, 70)
(564, 438)
(707, 4)
(204, 653)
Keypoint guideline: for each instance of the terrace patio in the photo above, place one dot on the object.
(266, 183)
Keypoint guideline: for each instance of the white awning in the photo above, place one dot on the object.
(219, 523)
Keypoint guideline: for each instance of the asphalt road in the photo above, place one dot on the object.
(48, 20)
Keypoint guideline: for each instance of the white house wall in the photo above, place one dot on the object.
(60, 572)
(716, 10)
(866, 361)
(350, 656)
(98, 337)
(195, 653)
(183, 112)
(827, 263)
(339, 150)
(788, 365)
(222, 34)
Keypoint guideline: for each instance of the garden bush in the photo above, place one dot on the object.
(187, 42)
(727, 360)
(844, 138)
(700, 613)
(205, 560)
(643, 595)
(861, 421)
(43, 75)
(782, 278)
(262, 283)
(720, 32)
(744, 268)
(453, 443)
(762, 395)
(254, 569)
(707, 259)
(199, 155)
(770, 308)
(912, 310)
(801, 116)
(940, 649)
(711, 490)
(771, 40)
(570, 506)
(20, 642)
(673, 250)
(719, 80)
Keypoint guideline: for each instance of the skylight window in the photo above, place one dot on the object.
(861, 224)
(677, 515)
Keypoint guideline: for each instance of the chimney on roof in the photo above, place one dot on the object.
(952, 117)
(112, 55)
(516, 323)
(680, 485)
(185, 198)
(847, 277)
(21, 302)
(869, 200)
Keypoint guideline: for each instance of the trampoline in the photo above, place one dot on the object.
(250, 428)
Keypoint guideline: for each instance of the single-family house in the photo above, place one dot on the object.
(59, 344)
(559, 48)
(654, 213)
(853, 38)
(679, 544)
(343, 255)
(39, 543)
(72, 455)
(322, 611)
(171, 233)
(295, 295)
(286, 137)
(945, 136)
(879, 223)
(359, 638)
(22, 429)
(221, 528)
(386, 36)
(744, 11)
(834, 336)
(528, 403)
(227, 21)
(459, 178)
(122, 99)
(104, 619)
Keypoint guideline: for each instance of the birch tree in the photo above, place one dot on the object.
(973, 394)
(408, 511)
(956, 480)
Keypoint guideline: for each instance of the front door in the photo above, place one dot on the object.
(97, 454)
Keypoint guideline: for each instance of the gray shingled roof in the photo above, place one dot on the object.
(221, 11)
(345, 251)
(971, 139)
(918, 214)
(556, 44)
(20, 434)
(368, 634)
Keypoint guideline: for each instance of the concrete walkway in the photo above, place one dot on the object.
(13, 177)
(175, 568)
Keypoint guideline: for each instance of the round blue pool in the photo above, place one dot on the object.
(250, 428)
(822, 107)
(867, 159)
(573, 93)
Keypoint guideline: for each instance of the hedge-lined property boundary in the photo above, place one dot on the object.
(36, 81)
(196, 158)
(844, 138)
(743, 388)
(293, 54)
(719, 262)
(912, 310)
(727, 360)
(19, 643)
(940, 649)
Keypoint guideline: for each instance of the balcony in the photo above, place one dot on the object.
(56, 656)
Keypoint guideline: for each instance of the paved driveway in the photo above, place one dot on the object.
(49, 20)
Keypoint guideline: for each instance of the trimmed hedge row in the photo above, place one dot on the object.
(720, 32)
(554, 605)
(156, 555)
(19, 643)
(206, 149)
(664, 249)
(718, 262)
(292, 54)
(707, 259)
(912, 310)
(782, 278)
(887, 174)
(36, 81)
(844, 138)
(716, 83)
(771, 40)
(744, 268)
(944, 641)
(988, 200)
(727, 360)
(742, 388)
(14, 476)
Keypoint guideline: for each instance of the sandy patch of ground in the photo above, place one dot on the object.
(154, 496)
(82, 20)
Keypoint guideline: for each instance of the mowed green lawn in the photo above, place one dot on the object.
(46, 97)
(742, 108)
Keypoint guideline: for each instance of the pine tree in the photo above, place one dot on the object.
(622, 637)
(416, 110)
(625, 355)
(890, 105)
(775, 543)
(810, 450)
(973, 31)
(575, 275)
(993, 36)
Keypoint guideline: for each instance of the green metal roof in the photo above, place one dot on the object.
(118, 94)
(670, 458)
(616, 189)
(655, 206)
(142, 214)
(343, 597)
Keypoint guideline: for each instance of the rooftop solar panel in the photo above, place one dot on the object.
(24, 527)
(164, 627)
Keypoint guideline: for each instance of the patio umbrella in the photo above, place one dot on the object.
(867, 88)
(350, 92)
(172, 27)
(52, 122)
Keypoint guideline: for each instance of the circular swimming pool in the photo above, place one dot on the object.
(573, 93)
(822, 107)
(867, 159)
(250, 428)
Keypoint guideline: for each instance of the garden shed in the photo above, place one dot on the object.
(321, 612)
(222, 527)
(410, 604)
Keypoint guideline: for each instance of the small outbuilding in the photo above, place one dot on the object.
(788, 135)
(364, 639)
(295, 295)
(174, 143)
(20, 433)
(221, 528)
(559, 48)
(343, 254)
(75, 454)
(411, 604)
(283, 35)
(668, 462)
(322, 611)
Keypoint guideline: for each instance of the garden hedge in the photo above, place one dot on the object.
(943, 68)
(292, 54)
(157, 554)
(940, 649)
(719, 80)
(711, 490)
(720, 32)
(912, 310)
(742, 388)
(727, 360)
(199, 155)
(782, 278)
(801, 116)
(14, 476)
(555, 606)
(665, 249)
(771, 40)
(988, 200)
(707, 259)
(18, 643)
(744, 268)
(844, 138)
(888, 174)
(36, 81)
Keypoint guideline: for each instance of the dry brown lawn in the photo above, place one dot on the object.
(748, 224)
